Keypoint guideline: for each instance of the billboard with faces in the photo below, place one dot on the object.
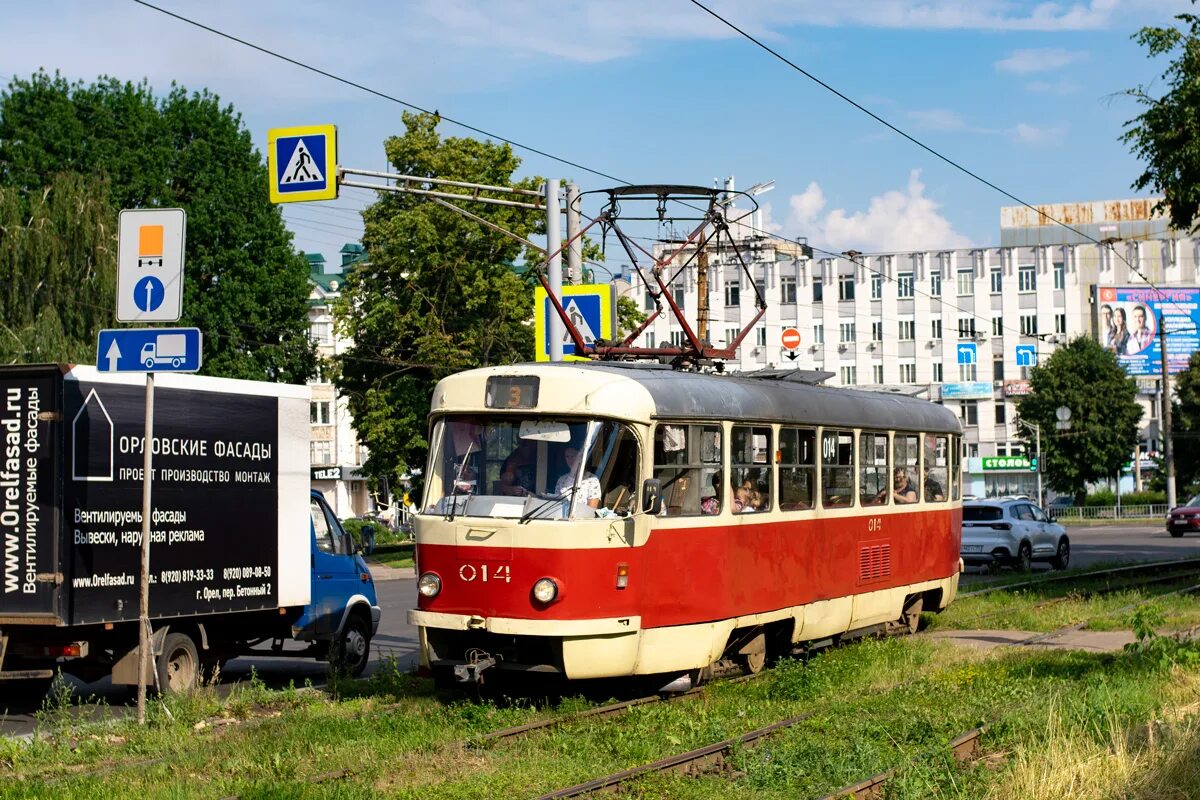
(1128, 320)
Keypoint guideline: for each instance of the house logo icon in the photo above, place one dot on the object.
(92, 441)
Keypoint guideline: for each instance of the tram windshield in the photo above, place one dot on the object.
(504, 466)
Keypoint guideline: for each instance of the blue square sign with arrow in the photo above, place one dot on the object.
(149, 350)
(968, 352)
(1027, 355)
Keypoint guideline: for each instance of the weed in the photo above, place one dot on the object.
(1162, 652)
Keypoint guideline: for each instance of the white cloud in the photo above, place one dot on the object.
(895, 220)
(1061, 86)
(1041, 135)
(937, 119)
(1043, 59)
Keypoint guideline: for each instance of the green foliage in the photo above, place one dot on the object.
(1185, 423)
(57, 269)
(246, 288)
(437, 295)
(1156, 650)
(629, 316)
(1087, 379)
(1166, 135)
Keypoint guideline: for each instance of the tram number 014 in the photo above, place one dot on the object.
(874, 524)
(484, 573)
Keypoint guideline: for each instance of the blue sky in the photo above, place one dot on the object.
(656, 91)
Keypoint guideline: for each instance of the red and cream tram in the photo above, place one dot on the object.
(603, 520)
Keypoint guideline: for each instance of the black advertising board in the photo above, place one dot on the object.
(215, 494)
(30, 487)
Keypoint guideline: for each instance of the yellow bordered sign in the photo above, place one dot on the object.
(302, 163)
(590, 307)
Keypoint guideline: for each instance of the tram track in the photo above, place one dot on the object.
(1135, 569)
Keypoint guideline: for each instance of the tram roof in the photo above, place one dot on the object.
(735, 396)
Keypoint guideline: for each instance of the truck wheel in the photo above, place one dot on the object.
(352, 649)
(175, 362)
(178, 665)
(149, 362)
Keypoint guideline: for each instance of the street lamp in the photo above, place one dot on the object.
(1037, 439)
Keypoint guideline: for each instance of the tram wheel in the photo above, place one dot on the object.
(911, 618)
(753, 655)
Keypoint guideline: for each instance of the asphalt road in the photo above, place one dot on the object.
(1089, 546)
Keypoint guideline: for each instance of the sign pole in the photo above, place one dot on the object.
(1168, 450)
(144, 654)
(554, 269)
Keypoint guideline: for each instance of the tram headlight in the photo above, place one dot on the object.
(429, 584)
(545, 590)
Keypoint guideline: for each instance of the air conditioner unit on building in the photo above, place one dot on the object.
(870, 345)
(812, 349)
(997, 384)
(841, 348)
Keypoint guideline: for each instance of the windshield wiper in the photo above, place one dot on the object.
(458, 479)
(537, 510)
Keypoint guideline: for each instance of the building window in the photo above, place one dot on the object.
(908, 329)
(935, 329)
(908, 373)
(845, 287)
(967, 372)
(972, 450)
(787, 289)
(877, 331)
(320, 453)
(904, 285)
(677, 338)
(876, 287)
(997, 326)
(320, 332)
(997, 276)
(966, 282)
(1001, 412)
(1060, 323)
(1060, 275)
(998, 369)
(846, 332)
(849, 376)
(969, 412)
(1026, 279)
(937, 372)
(649, 338)
(733, 293)
(730, 335)
(935, 284)
(649, 304)
(760, 335)
(761, 286)
(966, 327)
(818, 334)
(319, 412)
(818, 291)
(877, 373)
(1029, 325)
(677, 291)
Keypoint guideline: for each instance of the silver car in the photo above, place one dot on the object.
(1014, 532)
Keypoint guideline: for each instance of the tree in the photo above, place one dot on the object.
(246, 288)
(1086, 378)
(1185, 423)
(1166, 136)
(57, 269)
(437, 294)
(629, 317)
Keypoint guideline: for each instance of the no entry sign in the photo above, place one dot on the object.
(790, 338)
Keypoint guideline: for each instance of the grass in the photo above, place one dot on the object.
(397, 556)
(876, 705)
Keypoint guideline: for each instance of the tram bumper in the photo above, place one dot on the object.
(581, 648)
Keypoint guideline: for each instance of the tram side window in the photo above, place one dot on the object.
(956, 467)
(797, 470)
(906, 450)
(837, 469)
(873, 487)
(751, 463)
(686, 458)
(938, 471)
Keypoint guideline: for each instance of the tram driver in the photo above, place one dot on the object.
(589, 484)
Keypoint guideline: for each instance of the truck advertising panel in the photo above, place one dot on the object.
(215, 495)
(29, 491)
(1128, 319)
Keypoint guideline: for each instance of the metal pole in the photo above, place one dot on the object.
(575, 241)
(1037, 438)
(144, 654)
(554, 268)
(1168, 450)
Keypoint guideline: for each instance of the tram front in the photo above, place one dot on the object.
(528, 536)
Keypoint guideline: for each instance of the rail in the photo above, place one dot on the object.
(1155, 511)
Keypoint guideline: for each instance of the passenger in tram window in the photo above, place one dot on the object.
(589, 484)
(712, 504)
(760, 498)
(902, 488)
(742, 498)
(933, 490)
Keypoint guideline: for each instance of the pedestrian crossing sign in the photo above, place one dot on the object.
(302, 163)
(591, 310)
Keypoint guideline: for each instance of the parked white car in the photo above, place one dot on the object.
(1013, 532)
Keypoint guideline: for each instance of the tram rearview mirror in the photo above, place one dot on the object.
(652, 496)
(544, 430)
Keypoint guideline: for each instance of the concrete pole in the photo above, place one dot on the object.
(553, 243)
(1168, 450)
(575, 248)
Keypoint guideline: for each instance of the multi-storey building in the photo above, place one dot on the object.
(897, 319)
(336, 455)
